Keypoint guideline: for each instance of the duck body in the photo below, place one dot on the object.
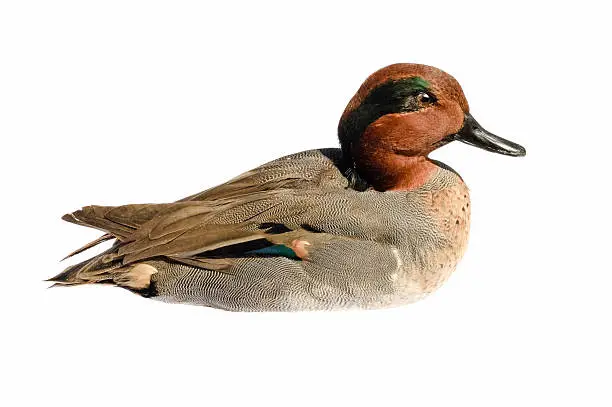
(374, 224)
(370, 250)
(367, 249)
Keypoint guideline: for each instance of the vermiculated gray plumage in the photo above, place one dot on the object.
(368, 249)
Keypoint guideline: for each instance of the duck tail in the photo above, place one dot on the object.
(108, 268)
(97, 269)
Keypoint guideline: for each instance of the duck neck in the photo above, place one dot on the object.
(389, 171)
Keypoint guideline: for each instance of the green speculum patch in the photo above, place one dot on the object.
(276, 250)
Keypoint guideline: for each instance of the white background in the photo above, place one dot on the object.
(127, 102)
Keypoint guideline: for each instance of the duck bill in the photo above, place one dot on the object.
(473, 134)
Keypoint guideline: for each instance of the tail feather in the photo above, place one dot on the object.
(98, 270)
(119, 221)
(69, 276)
(89, 245)
(94, 217)
(94, 270)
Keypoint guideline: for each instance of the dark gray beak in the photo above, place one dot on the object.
(473, 134)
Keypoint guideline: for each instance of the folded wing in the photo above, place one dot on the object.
(252, 207)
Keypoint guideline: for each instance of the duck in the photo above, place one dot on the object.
(373, 224)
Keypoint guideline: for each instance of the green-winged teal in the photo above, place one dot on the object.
(373, 224)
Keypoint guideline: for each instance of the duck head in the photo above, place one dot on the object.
(402, 113)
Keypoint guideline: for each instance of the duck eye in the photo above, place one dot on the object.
(425, 98)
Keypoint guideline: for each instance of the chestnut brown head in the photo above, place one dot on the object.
(410, 110)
